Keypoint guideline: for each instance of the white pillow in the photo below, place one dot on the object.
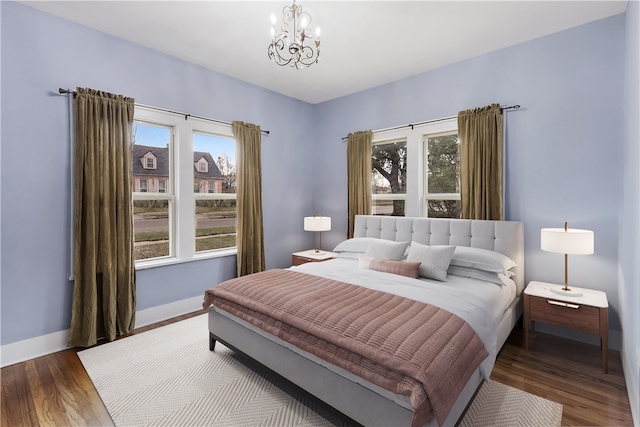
(435, 260)
(482, 259)
(348, 255)
(487, 276)
(386, 249)
(356, 244)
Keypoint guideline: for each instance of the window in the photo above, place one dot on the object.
(151, 162)
(389, 177)
(171, 225)
(152, 212)
(415, 170)
(442, 180)
(203, 166)
(215, 212)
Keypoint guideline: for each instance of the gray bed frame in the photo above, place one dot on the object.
(352, 399)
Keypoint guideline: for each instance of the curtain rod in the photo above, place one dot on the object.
(411, 125)
(186, 115)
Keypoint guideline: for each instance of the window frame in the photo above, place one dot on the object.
(390, 196)
(415, 201)
(434, 196)
(206, 195)
(181, 197)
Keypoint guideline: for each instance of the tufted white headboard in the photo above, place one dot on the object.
(506, 237)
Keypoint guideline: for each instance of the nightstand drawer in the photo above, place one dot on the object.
(581, 317)
(299, 260)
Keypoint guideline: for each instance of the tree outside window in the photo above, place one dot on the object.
(443, 175)
(389, 178)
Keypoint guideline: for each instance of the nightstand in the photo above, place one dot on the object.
(587, 313)
(298, 258)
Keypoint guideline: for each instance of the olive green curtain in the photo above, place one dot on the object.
(480, 132)
(358, 175)
(250, 235)
(104, 291)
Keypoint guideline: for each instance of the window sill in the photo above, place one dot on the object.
(144, 265)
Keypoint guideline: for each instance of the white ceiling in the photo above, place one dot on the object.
(364, 43)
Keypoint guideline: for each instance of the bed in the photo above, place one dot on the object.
(356, 395)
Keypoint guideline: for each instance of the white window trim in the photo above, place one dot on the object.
(415, 199)
(183, 213)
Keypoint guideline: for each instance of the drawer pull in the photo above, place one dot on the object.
(563, 304)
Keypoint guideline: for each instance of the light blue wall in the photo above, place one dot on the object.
(41, 53)
(629, 279)
(565, 151)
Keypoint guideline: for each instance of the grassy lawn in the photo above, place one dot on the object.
(151, 236)
(151, 251)
(154, 236)
(218, 240)
(214, 230)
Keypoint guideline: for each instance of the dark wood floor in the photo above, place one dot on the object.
(55, 390)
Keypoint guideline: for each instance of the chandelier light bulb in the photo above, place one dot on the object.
(304, 22)
(318, 32)
(273, 19)
(273, 32)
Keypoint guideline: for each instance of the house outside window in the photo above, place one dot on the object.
(169, 225)
(415, 171)
(144, 186)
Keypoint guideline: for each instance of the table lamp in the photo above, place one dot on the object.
(568, 242)
(318, 223)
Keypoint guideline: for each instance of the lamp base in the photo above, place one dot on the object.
(565, 293)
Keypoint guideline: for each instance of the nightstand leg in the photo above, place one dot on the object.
(526, 323)
(604, 338)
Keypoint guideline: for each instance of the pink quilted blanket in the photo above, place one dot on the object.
(404, 346)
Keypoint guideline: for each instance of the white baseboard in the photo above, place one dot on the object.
(167, 311)
(57, 341)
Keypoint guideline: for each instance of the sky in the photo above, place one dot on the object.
(158, 136)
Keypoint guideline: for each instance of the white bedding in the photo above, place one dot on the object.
(479, 303)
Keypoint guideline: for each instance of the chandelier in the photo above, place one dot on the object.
(288, 47)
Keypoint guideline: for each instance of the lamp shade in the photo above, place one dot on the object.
(570, 241)
(317, 223)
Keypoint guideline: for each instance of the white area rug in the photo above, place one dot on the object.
(168, 376)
